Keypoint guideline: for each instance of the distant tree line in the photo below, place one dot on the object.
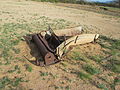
(118, 1)
(114, 3)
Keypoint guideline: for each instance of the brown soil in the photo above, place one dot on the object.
(61, 75)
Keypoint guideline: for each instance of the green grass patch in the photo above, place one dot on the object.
(44, 74)
(113, 46)
(16, 68)
(113, 65)
(116, 68)
(96, 58)
(113, 43)
(102, 86)
(92, 70)
(5, 81)
(29, 68)
(82, 75)
(78, 56)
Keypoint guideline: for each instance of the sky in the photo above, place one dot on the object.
(100, 0)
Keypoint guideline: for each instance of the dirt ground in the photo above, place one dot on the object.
(99, 23)
(29, 17)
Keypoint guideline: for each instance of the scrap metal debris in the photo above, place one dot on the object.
(53, 45)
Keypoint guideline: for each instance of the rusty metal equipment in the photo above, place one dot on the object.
(47, 46)
(53, 47)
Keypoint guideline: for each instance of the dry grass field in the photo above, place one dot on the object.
(94, 66)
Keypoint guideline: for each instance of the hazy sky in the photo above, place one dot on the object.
(100, 0)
